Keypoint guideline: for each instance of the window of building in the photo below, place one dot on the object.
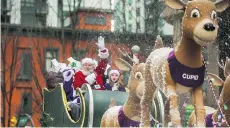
(118, 7)
(66, 13)
(28, 12)
(5, 18)
(130, 2)
(70, 19)
(130, 15)
(3, 4)
(26, 103)
(25, 72)
(27, 3)
(138, 12)
(148, 2)
(50, 53)
(138, 25)
(28, 19)
(6, 8)
(33, 13)
(130, 27)
(95, 20)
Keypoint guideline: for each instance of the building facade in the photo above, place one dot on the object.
(129, 16)
(48, 12)
(133, 16)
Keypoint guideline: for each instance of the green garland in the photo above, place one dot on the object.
(188, 111)
(45, 119)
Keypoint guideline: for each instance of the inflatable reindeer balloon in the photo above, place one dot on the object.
(221, 116)
(182, 70)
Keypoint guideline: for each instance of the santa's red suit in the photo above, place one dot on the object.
(98, 84)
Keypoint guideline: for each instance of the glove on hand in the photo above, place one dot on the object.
(101, 43)
(90, 78)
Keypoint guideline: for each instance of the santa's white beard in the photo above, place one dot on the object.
(92, 70)
(86, 73)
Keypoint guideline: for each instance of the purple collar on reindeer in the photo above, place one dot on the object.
(208, 120)
(189, 77)
(124, 121)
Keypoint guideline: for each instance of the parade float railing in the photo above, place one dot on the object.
(97, 102)
(93, 105)
(157, 108)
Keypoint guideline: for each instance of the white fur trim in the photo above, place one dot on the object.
(87, 60)
(74, 92)
(115, 87)
(68, 75)
(103, 55)
(86, 73)
(95, 63)
(106, 70)
(135, 59)
(209, 110)
(75, 101)
(114, 71)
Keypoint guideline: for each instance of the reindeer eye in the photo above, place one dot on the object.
(195, 13)
(138, 75)
(213, 15)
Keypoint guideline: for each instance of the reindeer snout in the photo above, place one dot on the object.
(209, 27)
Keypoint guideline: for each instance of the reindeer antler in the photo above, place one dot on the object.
(122, 53)
(225, 66)
(126, 55)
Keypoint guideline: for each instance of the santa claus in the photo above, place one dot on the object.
(91, 75)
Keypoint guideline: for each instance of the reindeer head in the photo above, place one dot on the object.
(136, 80)
(200, 18)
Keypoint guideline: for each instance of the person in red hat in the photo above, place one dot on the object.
(91, 75)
